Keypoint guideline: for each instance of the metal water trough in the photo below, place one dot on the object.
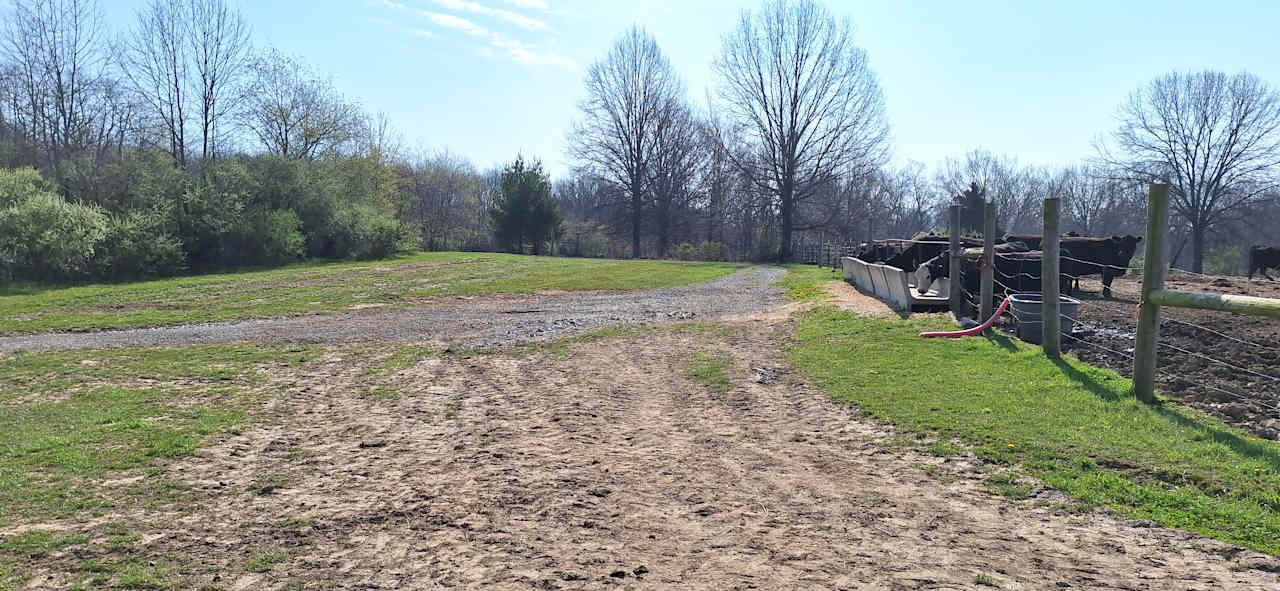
(1026, 308)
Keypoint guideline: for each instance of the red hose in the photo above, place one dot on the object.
(970, 331)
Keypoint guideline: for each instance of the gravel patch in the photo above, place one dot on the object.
(476, 321)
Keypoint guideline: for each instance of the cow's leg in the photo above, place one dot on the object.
(1106, 283)
(1264, 274)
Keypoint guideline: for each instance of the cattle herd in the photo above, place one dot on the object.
(1017, 261)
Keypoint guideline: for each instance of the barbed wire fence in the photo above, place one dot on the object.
(1236, 382)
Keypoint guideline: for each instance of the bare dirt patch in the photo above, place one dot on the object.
(605, 466)
(849, 298)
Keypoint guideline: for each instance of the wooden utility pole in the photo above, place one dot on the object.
(957, 295)
(988, 260)
(1050, 317)
(1153, 269)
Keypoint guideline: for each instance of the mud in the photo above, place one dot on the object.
(1245, 394)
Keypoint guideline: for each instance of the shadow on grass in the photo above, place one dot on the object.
(1001, 340)
(1103, 391)
(1257, 450)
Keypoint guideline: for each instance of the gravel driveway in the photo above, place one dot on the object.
(475, 321)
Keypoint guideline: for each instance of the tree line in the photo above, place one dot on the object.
(793, 145)
(177, 145)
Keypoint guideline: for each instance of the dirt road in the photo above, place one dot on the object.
(470, 321)
(609, 467)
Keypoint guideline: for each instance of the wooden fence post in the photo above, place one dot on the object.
(957, 296)
(989, 261)
(1153, 270)
(1050, 318)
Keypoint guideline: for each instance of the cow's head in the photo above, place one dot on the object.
(1126, 246)
(932, 270)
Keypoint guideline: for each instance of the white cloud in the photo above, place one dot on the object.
(518, 53)
(399, 28)
(514, 18)
(538, 4)
(454, 22)
(444, 20)
(498, 45)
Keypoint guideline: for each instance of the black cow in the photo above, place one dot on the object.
(878, 251)
(1017, 270)
(1086, 255)
(908, 254)
(924, 247)
(1262, 258)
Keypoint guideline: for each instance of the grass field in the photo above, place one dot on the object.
(319, 287)
(1061, 423)
(69, 418)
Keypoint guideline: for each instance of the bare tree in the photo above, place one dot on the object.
(444, 187)
(295, 113)
(55, 48)
(219, 47)
(1214, 137)
(154, 58)
(1016, 190)
(1095, 203)
(678, 158)
(627, 93)
(808, 99)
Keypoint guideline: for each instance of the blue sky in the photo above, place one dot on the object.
(489, 78)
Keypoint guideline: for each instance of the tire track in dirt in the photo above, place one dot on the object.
(606, 467)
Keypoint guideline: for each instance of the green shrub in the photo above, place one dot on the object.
(684, 252)
(144, 180)
(43, 237)
(206, 218)
(361, 232)
(137, 245)
(1223, 260)
(712, 251)
(18, 184)
(273, 238)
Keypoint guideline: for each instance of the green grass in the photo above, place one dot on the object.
(985, 580)
(68, 418)
(318, 287)
(264, 560)
(404, 357)
(808, 283)
(1072, 426)
(38, 543)
(709, 368)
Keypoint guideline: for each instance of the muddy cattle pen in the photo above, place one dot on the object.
(1215, 359)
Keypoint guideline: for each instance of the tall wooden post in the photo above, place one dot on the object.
(1153, 270)
(957, 295)
(989, 260)
(1051, 320)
